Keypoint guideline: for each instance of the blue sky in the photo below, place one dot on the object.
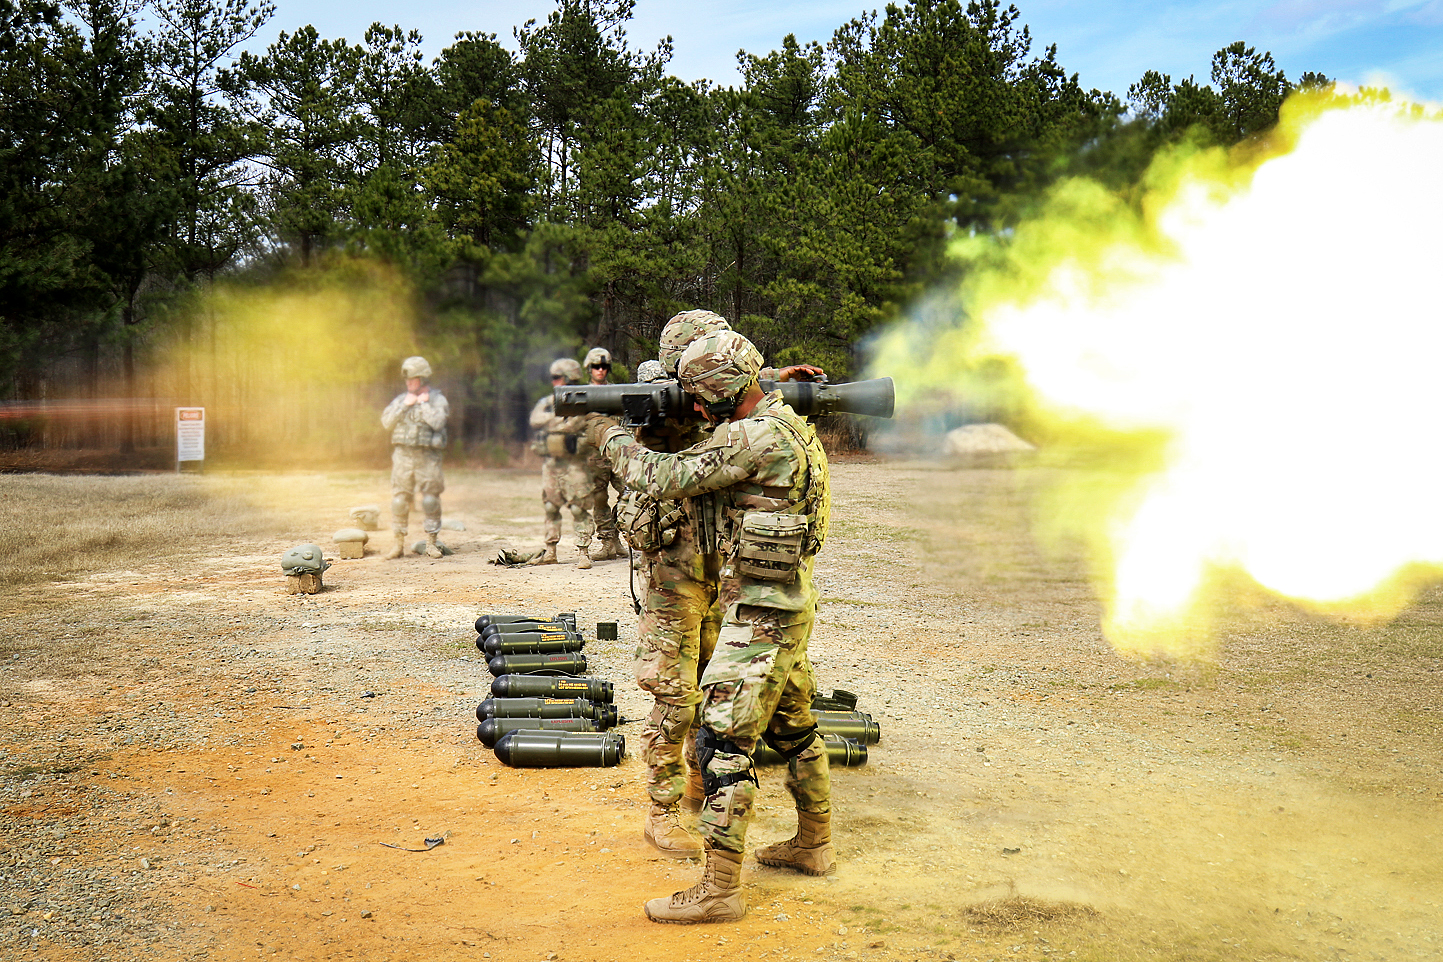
(1397, 42)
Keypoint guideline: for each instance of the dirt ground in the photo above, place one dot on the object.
(197, 765)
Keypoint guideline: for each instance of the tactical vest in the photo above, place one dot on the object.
(808, 500)
(414, 432)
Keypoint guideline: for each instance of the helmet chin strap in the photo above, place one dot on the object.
(722, 410)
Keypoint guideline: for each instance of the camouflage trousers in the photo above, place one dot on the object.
(678, 631)
(567, 483)
(602, 511)
(758, 681)
(416, 470)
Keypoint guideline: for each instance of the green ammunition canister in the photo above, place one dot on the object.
(855, 725)
(525, 748)
(490, 731)
(555, 663)
(840, 751)
(544, 628)
(568, 618)
(550, 686)
(529, 644)
(605, 716)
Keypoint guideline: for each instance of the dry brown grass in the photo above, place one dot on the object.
(1019, 910)
(52, 527)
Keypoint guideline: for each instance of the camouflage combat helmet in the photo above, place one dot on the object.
(648, 371)
(718, 368)
(304, 559)
(415, 367)
(681, 330)
(597, 355)
(568, 368)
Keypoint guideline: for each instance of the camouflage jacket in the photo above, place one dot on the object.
(422, 425)
(768, 461)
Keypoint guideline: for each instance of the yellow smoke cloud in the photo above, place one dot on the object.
(294, 371)
(1265, 327)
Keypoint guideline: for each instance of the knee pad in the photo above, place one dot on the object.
(431, 505)
(708, 743)
(789, 744)
(400, 506)
(673, 721)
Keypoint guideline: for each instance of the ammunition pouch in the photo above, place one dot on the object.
(560, 445)
(771, 544)
(708, 743)
(645, 523)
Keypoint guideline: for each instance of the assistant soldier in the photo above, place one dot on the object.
(416, 419)
(768, 472)
(567, 480)
(608, 545)
(679, 616)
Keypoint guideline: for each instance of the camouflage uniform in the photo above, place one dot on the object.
(567, 480)
(680, 616)
(601, 509)
(680, 619)
(759, 682)
(418, 437)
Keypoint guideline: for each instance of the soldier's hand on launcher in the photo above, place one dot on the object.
(801, 372)
(596, 426)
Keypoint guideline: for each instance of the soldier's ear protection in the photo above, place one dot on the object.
(724, 409)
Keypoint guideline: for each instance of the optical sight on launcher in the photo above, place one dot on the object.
(640, 405)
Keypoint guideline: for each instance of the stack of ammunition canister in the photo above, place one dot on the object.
(845, 731)
(543, 713)
(520, 645)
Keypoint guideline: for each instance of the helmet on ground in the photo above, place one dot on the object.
(597, 357)
(305, 559)
(718, 368)
(568, 368)
(651, 370)
(415, 367)
(681, 330)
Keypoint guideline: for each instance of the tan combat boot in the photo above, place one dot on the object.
(583, 558)
(547, 557)
(433, 550)
(809, 851)
(693, 796)
(663, 830)
(610, 548)
(399, 549)
(716, 898)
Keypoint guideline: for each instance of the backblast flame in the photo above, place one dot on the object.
(1276, 317)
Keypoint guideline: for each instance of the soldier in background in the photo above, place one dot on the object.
(598, 367)
(567, 480)
(768, 474)
(416, 419)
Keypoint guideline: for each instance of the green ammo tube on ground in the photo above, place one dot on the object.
(492, 730)
(605, 716)
(556, 663)
(550, 686)
(525, 748)
(530, 644)
(855, 725)
(840, 751)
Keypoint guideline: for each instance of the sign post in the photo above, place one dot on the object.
(189, 435)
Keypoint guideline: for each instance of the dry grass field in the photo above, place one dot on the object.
(196, 765)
